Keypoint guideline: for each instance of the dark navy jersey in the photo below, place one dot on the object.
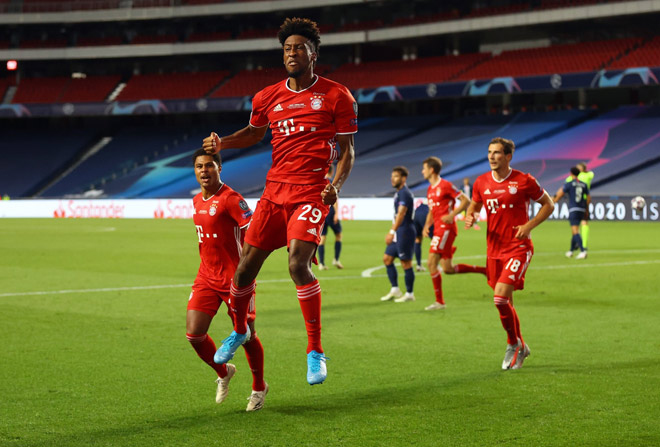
(577, 193)
(405, 197)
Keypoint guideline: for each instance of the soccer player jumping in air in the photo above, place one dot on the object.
(221, 216)
(308, 116)
(506, 193)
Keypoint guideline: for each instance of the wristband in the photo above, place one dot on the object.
(392, 232)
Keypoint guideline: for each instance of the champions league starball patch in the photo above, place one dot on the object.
(243, 204)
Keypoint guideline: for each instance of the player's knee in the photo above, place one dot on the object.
(297, 268)
(500, 301)
(388, 260)
(195, 339)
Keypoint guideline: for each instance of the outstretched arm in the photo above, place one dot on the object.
(245, 137)
(344, 167)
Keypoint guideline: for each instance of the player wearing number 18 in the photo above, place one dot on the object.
(308, 116)
(506, 193)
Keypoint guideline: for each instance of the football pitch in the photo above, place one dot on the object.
(94, 353)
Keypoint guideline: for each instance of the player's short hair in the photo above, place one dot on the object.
(575, 171)
(508, 145)
(199, 152)
(582, 166)
(402, 170)
(300, 27)
(434, 163)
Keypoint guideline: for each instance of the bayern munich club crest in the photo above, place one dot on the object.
(513, 190)
(213, 209)
(316, 103)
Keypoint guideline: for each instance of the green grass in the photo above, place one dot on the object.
(85, 366)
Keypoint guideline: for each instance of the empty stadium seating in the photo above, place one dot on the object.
(247, 82)
(584, 56)
(419, 71)
(89, 89)
(647, 55)
(171, 86)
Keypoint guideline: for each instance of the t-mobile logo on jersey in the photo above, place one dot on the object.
(288, 127)
(492, 205)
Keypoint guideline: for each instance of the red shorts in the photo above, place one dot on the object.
(509, 270)
(206, 299)
(285, 212)
(443, 244)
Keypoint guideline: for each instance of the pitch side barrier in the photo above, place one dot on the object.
(602, 208)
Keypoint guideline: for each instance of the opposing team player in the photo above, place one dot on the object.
(400, 240)
(578, 205)
(506, 193)
(308, 117)
(421, 211)
(442, 196)
(331, 221)
(221, 216)
(586, 177)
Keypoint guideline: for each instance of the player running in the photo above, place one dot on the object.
(578, 204)
(400, 239)
(442, 196)
(506, 193)
(221, 216)
(308, 116)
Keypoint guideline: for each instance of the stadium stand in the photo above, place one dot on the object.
(40, 90)
(209, 36)
(56, 149)
(577, 57)
(399, 72)
(99, 41)
(622, 140)
(146, 39)
(171, 86)
(247, 82)
(89, 89)
(459, 143)
(646, 55)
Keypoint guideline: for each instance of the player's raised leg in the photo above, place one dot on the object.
(242, 290)
(309, 296)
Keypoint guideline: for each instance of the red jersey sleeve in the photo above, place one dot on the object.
(238, 209)
(533, 188)
(346, 109)
(259, 117)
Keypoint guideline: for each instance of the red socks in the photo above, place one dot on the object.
(205, 348)
(464, 268)
(309, 297)
(437, 286)
(239, 303)
(509, 318)
(254, 352)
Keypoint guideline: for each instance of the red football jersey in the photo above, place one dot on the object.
(442, 198)
(304, 126)
(220, 221)
(507, 206)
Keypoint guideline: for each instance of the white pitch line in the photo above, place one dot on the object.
(571, 265)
